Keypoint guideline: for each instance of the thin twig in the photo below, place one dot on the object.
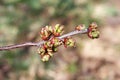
(73, 33)
(41, 42)
(16, 46)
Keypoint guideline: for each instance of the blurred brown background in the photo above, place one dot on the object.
(21, 21)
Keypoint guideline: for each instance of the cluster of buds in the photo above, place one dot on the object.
(57, 30)
(51, 36)
(93, 31)
(46, 32)
(69, 42)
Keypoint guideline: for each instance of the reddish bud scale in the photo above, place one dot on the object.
(45, 46)
(56, 34)
(52, 40)
(44, 37)
(65, 40)
(89, 34)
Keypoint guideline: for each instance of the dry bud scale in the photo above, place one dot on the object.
(52, 38)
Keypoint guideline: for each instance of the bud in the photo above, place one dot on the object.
(69, 42)
(50, 51)
(41, 51)
(56, 42)
(80, 27)
(57, 30)
(93, 26)
(45, 57)
(48, 44)
(46, 32)
(92, 31)
(49, 28)
(93, 34)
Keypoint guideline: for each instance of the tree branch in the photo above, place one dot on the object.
(41, 42)
(16, 46)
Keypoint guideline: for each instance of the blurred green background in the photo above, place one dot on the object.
(21, 21)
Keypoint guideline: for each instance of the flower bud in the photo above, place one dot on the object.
(45, 57)
(46, 32)
(41, 51)
(69, 42)
(56, 42)
(49, 28)
(93, 33)
(80, 27)
(93, 26)
(57, 30)
(50, 51)
(48, 44)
